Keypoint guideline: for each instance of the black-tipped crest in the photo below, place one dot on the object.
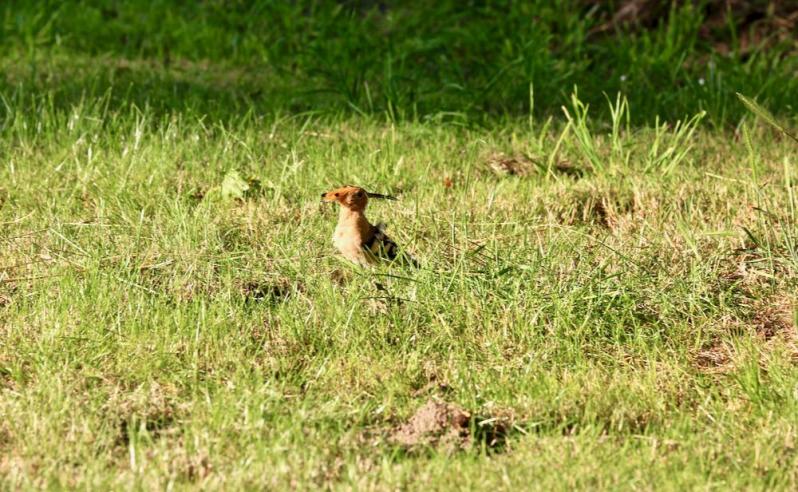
(349, 194)
(380, 195)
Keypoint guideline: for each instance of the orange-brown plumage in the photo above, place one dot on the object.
(355, 237)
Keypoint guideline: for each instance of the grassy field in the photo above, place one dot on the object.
(606, 298)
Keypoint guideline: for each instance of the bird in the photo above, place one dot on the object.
(355, 237)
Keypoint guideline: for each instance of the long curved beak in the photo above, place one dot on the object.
(379, 195)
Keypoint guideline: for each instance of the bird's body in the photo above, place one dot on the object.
(355, 237)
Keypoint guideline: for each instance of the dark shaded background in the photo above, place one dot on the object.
(468, 61)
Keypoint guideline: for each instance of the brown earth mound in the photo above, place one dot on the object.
(435, 424)
(449, 427)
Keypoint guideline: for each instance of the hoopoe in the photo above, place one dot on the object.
(354, 236)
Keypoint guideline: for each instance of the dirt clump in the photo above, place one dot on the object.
(517, 165)
(271, 292)
(435, 424)
(522, 165)
(774, 317)
(151, 410)
(448, 427)
(715, 359)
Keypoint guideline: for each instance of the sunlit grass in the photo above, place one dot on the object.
(608, 277)
(636, 326)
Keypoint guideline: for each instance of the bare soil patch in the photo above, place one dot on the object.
(449, 427)
(522, 165)
(715, 359)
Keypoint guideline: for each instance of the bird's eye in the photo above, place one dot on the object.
(336, 194)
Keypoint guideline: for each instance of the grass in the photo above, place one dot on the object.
(607, 288)
(636, 323)
(391, 58)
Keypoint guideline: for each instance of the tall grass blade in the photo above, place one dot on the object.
(763, 113)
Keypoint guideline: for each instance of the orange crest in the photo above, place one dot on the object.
(352, 197)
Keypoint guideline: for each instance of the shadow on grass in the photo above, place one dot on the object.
(388, 59)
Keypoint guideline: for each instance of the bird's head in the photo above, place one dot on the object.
(352, 197)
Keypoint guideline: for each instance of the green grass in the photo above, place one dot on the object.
(442, 62)
(635, 323)
(173, 313)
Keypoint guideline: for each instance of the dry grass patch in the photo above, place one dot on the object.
(715, 359)
(151, 410)
(270, 291)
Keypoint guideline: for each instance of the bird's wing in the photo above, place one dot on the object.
(381, 246)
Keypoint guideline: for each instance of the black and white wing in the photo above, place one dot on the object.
(382, 246)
